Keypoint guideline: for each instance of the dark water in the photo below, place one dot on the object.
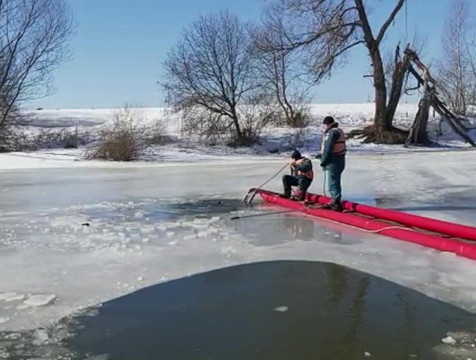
(158, 210)
(327, 312)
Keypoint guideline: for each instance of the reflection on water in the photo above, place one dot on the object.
(285, 228)
(274, 310)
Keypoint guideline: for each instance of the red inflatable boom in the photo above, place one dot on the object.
(421, 222)
(376, 226)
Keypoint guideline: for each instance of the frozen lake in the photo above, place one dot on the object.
(71, 238)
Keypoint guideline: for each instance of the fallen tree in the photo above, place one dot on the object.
(418, 132)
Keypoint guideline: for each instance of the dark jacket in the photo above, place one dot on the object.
(303, 168)
(327, 157)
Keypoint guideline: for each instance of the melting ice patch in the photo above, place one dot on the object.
(111, 248)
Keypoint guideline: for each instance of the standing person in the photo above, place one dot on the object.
(301, 175)
(333, 150)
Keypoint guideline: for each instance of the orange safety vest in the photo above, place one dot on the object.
(309, 174)
(339, 147)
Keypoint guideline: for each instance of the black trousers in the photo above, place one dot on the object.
(301, 181)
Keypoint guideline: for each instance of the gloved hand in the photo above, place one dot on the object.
(318, 156)
(323, 164)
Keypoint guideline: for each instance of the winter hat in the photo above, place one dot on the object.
(296, 155)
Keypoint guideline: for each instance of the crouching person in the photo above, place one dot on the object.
(301, 176)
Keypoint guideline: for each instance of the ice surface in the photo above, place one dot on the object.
(41, 337)
(449, 340)
(39, 300)
(185, 228)
(5, 296)
(16, 297)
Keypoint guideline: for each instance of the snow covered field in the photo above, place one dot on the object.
(274, 141)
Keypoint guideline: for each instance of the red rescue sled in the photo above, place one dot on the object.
(436, 234)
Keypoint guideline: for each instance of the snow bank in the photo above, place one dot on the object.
(274, 141)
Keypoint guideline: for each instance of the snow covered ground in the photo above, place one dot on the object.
(75, 237)
(274, 141)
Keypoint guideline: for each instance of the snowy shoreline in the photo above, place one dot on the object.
(275, 142)
(168, 156)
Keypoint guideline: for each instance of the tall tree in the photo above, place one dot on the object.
(282, 76)
(210, 75)
(327, 29)
(456, 73)
(33, 42)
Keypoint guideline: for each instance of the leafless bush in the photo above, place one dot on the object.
(299, 119)
(65, 139)
(208, 126)
(297, 139)
(157, 134)
(8, 137)
(18, 140)
(9, 131)
(255, 116)
(123, 140)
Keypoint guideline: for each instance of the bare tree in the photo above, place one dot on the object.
(471, 110)
(456, 73)
(33, 42)
(327, 29)
(211, 74)
(319, 31)
(280, 72)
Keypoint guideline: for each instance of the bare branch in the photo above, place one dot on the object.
(455, 71)
(33, 40)
(210, 75)
(366, 28)
(389, 21)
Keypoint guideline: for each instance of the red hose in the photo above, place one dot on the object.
(421, 222)
(432, 241)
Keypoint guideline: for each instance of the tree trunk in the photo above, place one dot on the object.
(381, 131)
(236, 123)
(418, 134)
(421, 133)
(452, 120)
(398, 79)
(380, 121)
